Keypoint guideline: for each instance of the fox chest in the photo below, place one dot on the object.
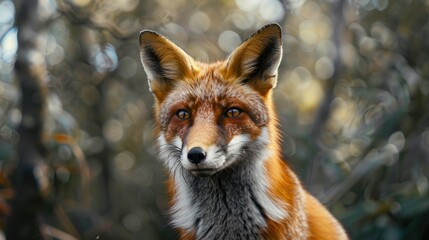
(219, 210)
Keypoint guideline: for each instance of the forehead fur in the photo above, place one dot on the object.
(210, 88)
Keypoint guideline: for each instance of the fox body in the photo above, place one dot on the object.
(217, 134)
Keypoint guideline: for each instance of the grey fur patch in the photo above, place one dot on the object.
(226, 205)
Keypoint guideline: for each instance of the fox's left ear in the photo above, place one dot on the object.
(255, 61)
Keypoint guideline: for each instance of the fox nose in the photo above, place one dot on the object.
(196, 155)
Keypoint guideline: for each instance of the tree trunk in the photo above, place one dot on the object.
(30, 183)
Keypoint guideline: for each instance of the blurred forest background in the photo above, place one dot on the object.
(76, 154)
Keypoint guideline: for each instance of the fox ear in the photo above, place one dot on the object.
(255, 61)
(164, 62)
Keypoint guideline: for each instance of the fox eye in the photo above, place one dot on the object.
(183, 114)
(233, 112)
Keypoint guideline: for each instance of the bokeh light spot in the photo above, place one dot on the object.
(307, 33)
(113, 131)
(199, 22)
(271, 10)
(65, 153)
(243, 20)
(105, 58)
(56, 56)
(63, 174)
(9, 46)
(248, 5)
(228, 41)
(324, 68)
(367, 46)
(398, 140)
(7, 10)
(132, 222)
(124, 160)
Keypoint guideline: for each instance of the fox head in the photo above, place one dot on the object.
(211, 117)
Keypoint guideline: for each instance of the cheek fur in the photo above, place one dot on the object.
(177, 128)
(240, 125)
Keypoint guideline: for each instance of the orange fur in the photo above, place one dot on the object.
(171, 72)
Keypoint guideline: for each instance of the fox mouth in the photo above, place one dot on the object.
(203, 172)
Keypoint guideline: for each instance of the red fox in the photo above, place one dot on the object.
(217, 134)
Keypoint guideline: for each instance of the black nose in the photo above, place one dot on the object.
(196, 155)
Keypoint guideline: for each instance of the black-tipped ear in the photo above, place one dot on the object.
(256, 60)
(163, 61)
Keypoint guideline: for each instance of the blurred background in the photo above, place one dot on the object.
(76, 148)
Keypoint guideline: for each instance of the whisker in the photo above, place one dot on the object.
(183, 175)
(176, 167)
(211, 180)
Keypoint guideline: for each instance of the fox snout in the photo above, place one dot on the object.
(198, 167)
(196, 155)
(201, 153)
(204, 160)
(203, 163)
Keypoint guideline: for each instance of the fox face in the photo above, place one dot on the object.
(211, 117)
(211, 124)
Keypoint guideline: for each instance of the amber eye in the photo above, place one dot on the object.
(233, 112)
(183, 114)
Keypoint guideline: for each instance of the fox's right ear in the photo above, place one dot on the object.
(164, 63)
